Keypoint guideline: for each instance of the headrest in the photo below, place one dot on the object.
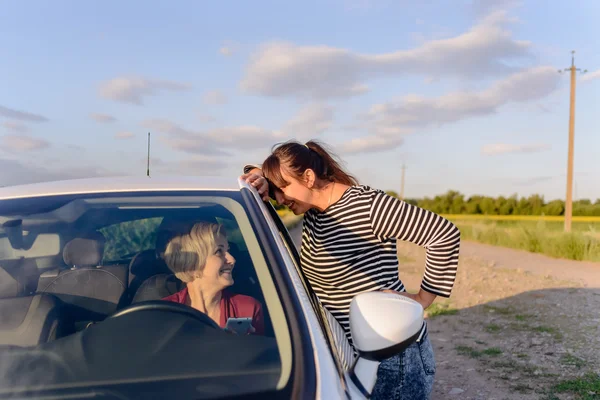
(85, 251)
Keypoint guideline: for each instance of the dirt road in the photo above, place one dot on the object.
(517, 326)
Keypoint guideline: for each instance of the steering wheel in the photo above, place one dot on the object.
(167, 306)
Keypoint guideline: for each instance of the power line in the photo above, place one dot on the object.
(569, 199)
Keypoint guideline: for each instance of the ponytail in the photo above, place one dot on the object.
(297, 158)
(333, 171)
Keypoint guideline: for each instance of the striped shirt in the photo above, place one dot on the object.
(350, 248)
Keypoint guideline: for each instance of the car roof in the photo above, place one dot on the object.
(119, 184)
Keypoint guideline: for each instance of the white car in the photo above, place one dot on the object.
(81, 315)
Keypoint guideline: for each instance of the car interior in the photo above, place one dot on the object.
(44, 304)
(62, 275)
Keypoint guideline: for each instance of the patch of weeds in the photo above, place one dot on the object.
(586, 387)
(521, 317)
(523, 369)
(493, 328)
(468, 351)
(437, 309)
(492, 351)
(548, 329)
(522, 355)
(573, 361)
(498, 310)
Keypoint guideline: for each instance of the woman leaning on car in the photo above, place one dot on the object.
(349, 236)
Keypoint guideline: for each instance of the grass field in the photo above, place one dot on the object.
(536, 234)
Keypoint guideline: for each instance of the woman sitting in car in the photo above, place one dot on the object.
(200, 258)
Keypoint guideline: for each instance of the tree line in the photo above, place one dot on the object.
(454, 202)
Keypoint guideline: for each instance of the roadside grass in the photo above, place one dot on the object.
(474, 353)
(586, 387)
(572, 361)
(537, 237)
(439, 309)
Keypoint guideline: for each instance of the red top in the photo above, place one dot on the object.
(232, 306)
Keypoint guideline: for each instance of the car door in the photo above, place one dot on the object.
(338, 342)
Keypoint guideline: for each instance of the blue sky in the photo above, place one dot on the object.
(465, 93)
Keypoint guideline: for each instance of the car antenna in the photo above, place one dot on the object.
(148, 162)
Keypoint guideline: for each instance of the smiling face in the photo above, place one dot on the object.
(201, 255)
(295, 193)
(218, 270)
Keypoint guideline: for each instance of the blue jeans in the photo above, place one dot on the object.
(408, 375)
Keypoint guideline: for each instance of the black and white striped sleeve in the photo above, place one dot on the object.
(393, 218)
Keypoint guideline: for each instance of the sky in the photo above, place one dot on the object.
(465, 93)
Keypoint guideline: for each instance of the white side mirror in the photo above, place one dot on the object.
(382, 325)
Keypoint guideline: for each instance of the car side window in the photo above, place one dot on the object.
(125, 239)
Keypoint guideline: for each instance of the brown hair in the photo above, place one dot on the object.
(186, 253)
(297, 158)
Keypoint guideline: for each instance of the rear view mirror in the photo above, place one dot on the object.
(14, 232)
(382, 325)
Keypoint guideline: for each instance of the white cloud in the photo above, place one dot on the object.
(22, 143)
(182, 139)
(134, 89)
(213, 142)
(245, 137)
(21, 115)
(389, 122)
(284, 69)
(371, 144)
(16, 127)
(124, 135)
(310, 121)
(418, 111)
(214, 97)
(102, 118)
(505, 148)
(590, 76)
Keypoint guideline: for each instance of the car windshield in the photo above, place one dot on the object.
(70, 265)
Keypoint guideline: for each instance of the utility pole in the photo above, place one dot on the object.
(402, 183)
(569, 200)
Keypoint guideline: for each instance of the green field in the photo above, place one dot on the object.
(543, 235)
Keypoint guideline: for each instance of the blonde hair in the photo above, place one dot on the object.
(186, 254)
